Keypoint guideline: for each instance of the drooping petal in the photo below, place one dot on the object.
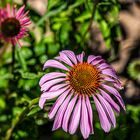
(54, 64)
(108, 110)
(50, 95)
(117, 84)
(115, 93)
(58, 86)
(50, 76)
(71, 56)
(53, 94)
(68, 113)
(84, 122)
(80, 57)
(57, 104)
(90, 114)
(42, 102)
(75, 118)
(50, 83)
(110, 100)
(109, 79)
(105, 124)
(109, 72)
(59, 116)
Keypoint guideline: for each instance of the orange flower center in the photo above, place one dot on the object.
(84, 78)
(10, 27)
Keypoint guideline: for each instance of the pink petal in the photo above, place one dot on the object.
(53, 94)
(103, 66)
(59, 86)
(64, 58)
(74, 122)
(23, 16)
(92, 57)
(109, 79)
(20, 12)
(26, 20)
(84, 122)
(50, 76)
(108, 110)
(68, 113)
(90, 114)
(8, 10)
(50, 95)
(80, 57)
(95, 62)
(54, 64)
(115, 82)
(110, 100)
(57, 104)
(42, 102)
(60, 113)
(102, 115)
(71, 56)
(50, 83)
(115, 93)
(118, 85)
(109, 72)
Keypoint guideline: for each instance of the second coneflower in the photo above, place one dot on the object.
(79, 82)
(13, 24)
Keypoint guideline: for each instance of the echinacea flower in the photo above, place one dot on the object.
(13, 24)
(79, 82)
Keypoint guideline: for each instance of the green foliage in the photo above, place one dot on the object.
(134, 69)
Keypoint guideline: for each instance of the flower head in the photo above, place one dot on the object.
(79, 82)
(13, 24)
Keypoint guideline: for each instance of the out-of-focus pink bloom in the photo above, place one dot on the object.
(13, 24)
(77, 83)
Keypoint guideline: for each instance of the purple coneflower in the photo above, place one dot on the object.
(13, 24)
(79, 82)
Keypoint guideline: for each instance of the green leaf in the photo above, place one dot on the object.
(2, 103)
(34, 110)
(53, 49)
(21, 59)
(84, 16)
(28, 75)
(50, 14)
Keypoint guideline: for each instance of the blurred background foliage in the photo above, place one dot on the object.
(97, 27)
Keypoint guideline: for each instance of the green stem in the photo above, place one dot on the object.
(20, 118)
(13, 58)
(91, 20)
